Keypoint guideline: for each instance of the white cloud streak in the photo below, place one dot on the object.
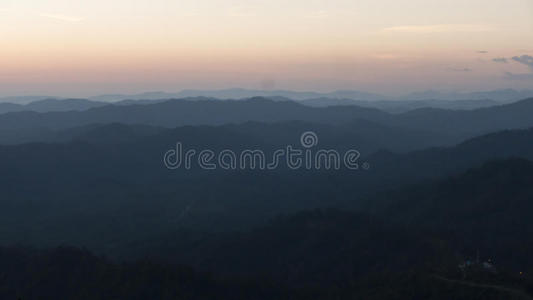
(321, 14)
(59, 17)
(240, 12)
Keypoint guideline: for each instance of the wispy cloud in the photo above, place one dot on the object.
(525, 60)
(441, 28)
(239, 11)
(59, 17)
(460, 69)
(321, 14)
(501, 60)
(482, 52)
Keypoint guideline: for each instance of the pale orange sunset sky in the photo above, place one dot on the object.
(81, 48)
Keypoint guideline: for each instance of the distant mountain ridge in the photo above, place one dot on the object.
(400, 106)
(452, 125)
(179, 112)
(26, 99)
(393, 106)
(431, 99)
(237, 93)
(51, 104)
(501, 95)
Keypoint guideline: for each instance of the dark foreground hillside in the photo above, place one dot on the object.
(465, 237)
(482, 214)
(70, 273)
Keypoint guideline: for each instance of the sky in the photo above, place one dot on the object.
(83, 48)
